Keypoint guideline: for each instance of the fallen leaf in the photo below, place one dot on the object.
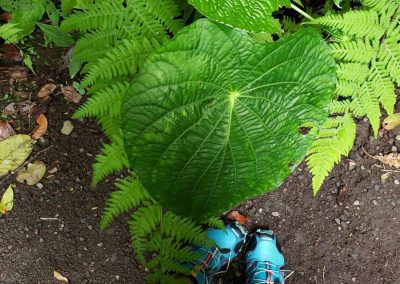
(25, 108)
(22, 94)
(391, 121)
(9, 109)
(341, 195)
(41, 129)
(391, 159)
(11, 53)
(5, 17)
(67, 127)
(58, 276)
(236, 216)
(13, 152)
(46, 90)
(70, 94)
(33, 173)
(18, 74)
(7, 201)
(6, 130)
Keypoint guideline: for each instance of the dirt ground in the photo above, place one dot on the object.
(55, 226)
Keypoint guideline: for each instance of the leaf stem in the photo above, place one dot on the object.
(297, 9)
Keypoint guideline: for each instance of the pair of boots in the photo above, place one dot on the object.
(263, 257)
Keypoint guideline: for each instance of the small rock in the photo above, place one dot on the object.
(365, 119)
(376, 187)
(67, 127)
(100, 245)
(41, 240)
(396, 181)
(356, 203)
(9, 247)
(362, 168)
(117, 277)
(337, 221)
(385, 176)
(352, 165)
(90, 227)
(260, 210)
(39, 185)
(275, 214)
(353, 279)
(397, 137)
(394, 149)
(375, 202)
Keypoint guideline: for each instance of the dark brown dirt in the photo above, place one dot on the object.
(323, 242)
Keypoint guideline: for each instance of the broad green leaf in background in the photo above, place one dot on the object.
(56, 35)
(27, 16)
(7, 200)
(251, 15)
(214, 117)
(13, 152)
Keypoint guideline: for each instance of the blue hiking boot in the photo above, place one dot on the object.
(217, 259)
(264, 259)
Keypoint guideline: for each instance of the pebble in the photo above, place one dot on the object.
(375, 202)
(385, 176)
(41, 240)
(9, 247)
(39, 185)
(117, 277)
(362, 168)
(398, 137)
(260, 210)
(394, 149)
(356, 203)
(90, 227)
(337, 221)
(67, 127)
(100, 245)
(352, 165)
(396, 181)
(275, 214)
(353, 279)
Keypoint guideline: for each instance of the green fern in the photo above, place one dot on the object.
(368, 59)
(335, 139)
(10, 33)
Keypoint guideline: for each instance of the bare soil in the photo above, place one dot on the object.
(56, 227)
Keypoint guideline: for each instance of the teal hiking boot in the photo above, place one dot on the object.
(264, 259)
(217, 259)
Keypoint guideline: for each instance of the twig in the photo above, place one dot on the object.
(369, 155)
(8, 176)
(48, 219)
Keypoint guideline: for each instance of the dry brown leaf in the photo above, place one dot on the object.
(70, 94)
(33, 173)
(341, 195)
(41, 129)
(22, 94)
(10, 109)
(236, 216)
(59, 276)
(391, 159)
(6, 130)
(391, 121)
(46, 90)
(11, 53)
(25, 108)
(18, 74)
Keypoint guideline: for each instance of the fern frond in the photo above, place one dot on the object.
(111, 159)
(122, 60)
(357, 51)
(379, 5)
(389, 55)
(111, 126)
(383, 86)
(99, 15)
(130, 194)
(355, 72)
(165, 11)
(356, 23)
(215, 222)
(346, 89)
(340, 106)
(105, 102)
(366, 102)
(10, 33)
(334, 140)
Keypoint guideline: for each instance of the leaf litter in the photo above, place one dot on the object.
(41, 129)
(6, 130)
(391, 159)
(32, 174)
(7, 200)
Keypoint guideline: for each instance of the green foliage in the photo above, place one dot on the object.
(55, 35)
(368, 59)
(207, 126)
(251, 15)
(10, 32)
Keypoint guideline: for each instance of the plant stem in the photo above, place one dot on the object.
(297, 9)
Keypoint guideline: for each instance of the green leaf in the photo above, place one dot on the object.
(53, 13)
(56, 35)
(251, 15)
(13, 152)
(214, 116)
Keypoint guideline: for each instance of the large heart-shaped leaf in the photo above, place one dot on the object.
(251, 15)
(214, 117)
